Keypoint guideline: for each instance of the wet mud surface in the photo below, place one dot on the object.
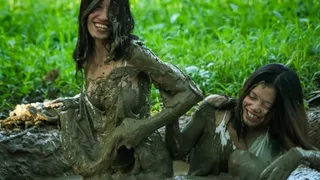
(37, 155)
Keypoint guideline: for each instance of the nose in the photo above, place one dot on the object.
(256, 107)
(104, 14)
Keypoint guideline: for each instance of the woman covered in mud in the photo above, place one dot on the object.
(263, 134)
(107, 131)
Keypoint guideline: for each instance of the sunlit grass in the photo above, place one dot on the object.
(219, 43)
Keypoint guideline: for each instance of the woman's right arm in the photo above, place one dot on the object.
(284, 165)
(179, 143)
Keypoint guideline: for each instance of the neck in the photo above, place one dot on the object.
(100, 52)
(257, 130)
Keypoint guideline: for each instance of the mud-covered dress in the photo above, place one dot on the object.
(107, 132)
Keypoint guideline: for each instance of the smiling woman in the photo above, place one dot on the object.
(262, 134)
(107, 131)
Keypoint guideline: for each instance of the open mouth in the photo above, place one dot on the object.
(252, 117)
(100, 26)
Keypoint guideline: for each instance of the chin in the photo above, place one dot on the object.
(252, 124)
(101, 37)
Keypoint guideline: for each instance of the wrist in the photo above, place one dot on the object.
(299, 152)
(302, 155)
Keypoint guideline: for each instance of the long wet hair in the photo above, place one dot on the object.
(287, 119)
(121, 22)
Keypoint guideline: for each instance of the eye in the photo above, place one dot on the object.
(97, 7)
(252, 95)
(267, 106)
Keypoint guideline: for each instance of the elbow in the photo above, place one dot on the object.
(193, 92)
(189, 98)
(198, 96)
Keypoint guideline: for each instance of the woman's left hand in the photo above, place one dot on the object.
(283, 166)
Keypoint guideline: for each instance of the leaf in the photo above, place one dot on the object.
(174, 18)
(277, 14)
(234, 7)
(204, 74)
(306, 20)
(191, 69)
(210, 64)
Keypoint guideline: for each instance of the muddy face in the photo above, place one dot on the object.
(257, 104)
(98, 21)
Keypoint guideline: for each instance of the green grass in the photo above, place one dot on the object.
(219, 43)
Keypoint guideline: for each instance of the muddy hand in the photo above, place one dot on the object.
(62, 102)
(121, 135)
(53, 104)
(282, 167)
(130, 132)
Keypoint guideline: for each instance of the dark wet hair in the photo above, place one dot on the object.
(287, 119)
(122, 24)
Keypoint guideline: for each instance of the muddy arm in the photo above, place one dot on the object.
(52, 109)
(178, 91)
(284, 165)
(179, 143)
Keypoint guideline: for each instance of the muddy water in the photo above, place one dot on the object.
(181, 169)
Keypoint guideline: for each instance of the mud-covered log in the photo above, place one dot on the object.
(36, 154)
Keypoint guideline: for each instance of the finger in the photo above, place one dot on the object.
(266, 173)
(56, 105)
(276, 174)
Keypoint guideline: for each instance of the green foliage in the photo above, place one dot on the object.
(219, 43)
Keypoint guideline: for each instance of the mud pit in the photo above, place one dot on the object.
(37, 155)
